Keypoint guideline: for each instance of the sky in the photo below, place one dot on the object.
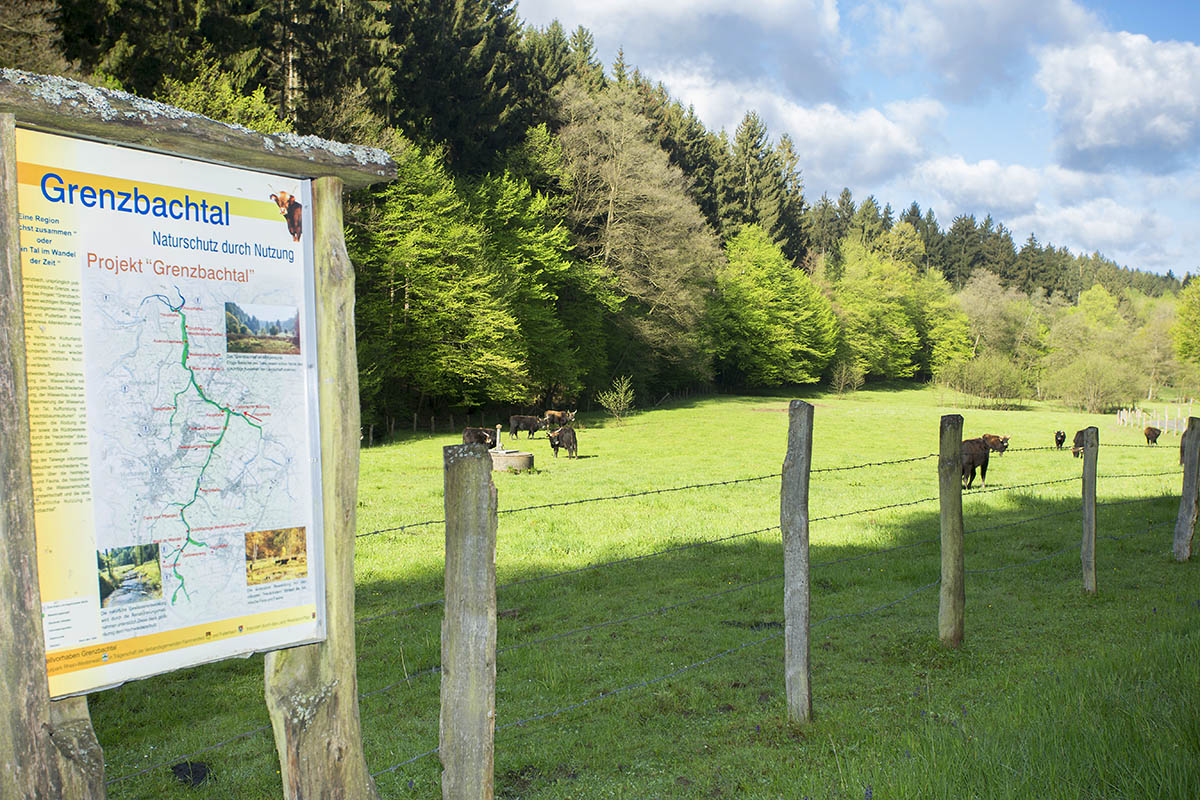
(1078, 122)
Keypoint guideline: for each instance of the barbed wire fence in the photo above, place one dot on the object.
(524, 722)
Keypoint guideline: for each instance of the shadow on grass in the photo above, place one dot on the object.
(630, 615)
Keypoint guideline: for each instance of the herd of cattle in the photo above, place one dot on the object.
(562, 435)
(975, 451)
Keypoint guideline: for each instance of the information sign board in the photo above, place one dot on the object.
(171, 358)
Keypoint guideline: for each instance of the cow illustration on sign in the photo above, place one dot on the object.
(292, 212)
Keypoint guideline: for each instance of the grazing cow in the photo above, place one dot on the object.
(994, 442)
(557, 419)
(479, 436)
(1059, 438)
(292, 212)
(1152, 434)
(563, 437)
(1077, 445)
(975, 456)
(520, 422)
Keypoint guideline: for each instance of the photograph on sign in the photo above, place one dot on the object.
(171, 364)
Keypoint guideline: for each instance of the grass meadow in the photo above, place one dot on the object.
(659, 674)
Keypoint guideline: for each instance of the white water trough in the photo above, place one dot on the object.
(509, 460)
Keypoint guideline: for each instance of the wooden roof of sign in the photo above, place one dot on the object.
(71, 108)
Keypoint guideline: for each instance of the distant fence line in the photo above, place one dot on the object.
(1172, 419)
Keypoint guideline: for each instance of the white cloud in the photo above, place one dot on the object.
(975, 46)
(1132, 236)
(984, 187)
(1121, 99)
(616, 17)
(798, 43)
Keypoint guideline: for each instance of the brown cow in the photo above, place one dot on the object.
(1077, 444)
(1152, 434)
(975, 456)
(557, 419)
(292, 213)
(521, 422)
(480, 436)
(997, 443)
(564, 437)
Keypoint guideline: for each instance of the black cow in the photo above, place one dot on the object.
(975, 456)
(557, 419)
(1059, 438)
(564, 437)
(1152, 434)
(1077, 444)
(521, 422)
(480, 436)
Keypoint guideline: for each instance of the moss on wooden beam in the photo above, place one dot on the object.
(58, 105)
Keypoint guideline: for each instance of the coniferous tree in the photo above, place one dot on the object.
(461, 78)
(791, 230)
(963, 251)
(30, 39)
(821, 224)
(549, 56)
(584, 64)
(867, 225)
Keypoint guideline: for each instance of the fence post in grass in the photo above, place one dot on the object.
(953, 599)
(1185, 523)
(793, 522)
(468, 720)
(1087, 550)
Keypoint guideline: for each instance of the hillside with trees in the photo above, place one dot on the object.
(556, 223)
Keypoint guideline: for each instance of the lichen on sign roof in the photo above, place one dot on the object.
(60, 105)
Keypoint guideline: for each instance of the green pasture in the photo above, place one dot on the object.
(660, 676)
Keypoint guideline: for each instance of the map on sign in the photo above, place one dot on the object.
(193, 437)
(174, 428)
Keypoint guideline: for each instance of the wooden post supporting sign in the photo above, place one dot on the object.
(42, 753)
(312, 690)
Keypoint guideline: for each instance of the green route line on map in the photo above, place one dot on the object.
(229, 414)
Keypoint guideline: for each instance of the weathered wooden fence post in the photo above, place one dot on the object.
(312, 690)
(1087, 550)
(468, 719)
(1185, 523)
(43, 753)
(793, 522)
(953, 599)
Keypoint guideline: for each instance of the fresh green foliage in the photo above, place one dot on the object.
(1187, 326)
(617, 400)
(1083, 364)
(432, 318)
(991, 377)
(770, 326)
(896, 322)
(213, 94)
